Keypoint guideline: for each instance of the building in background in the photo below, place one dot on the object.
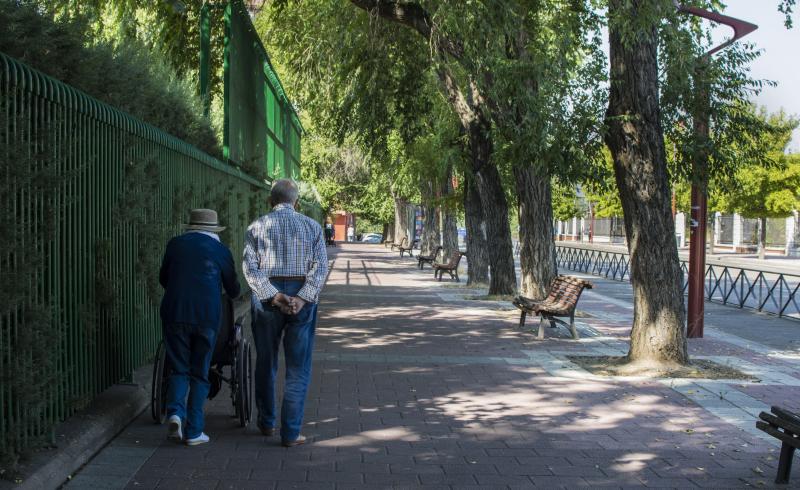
(727, 232)
(341, 220)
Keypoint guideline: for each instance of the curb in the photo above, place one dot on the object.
(84, 434)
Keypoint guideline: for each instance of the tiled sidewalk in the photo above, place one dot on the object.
(416, 386)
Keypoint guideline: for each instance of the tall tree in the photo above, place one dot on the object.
(636, 140)
(766, 187)
(469, 103)
(541, 67)
(360, 84)
(449, 209)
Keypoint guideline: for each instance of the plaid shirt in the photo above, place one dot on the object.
(285, 243)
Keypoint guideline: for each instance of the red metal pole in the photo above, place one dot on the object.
(697, 264)
(697, 237)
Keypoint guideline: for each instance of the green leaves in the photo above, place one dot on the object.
(786, 7)
(124, 74)
(360, 79)
(767, 192)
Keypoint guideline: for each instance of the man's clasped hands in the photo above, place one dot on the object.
(289, 305)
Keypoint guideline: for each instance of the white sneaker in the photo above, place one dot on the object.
(174, 431)
(201, 439)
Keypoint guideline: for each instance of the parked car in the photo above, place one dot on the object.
(372, 238)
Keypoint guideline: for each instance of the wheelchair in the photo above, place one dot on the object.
(233, 351)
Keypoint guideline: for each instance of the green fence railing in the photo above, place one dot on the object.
(262, 132)
(88, 198)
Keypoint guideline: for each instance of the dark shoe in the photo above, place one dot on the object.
(300, 440)
(267, 431)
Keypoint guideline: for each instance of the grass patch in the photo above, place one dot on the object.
(697, 369)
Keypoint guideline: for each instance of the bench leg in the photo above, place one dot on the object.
(572, 327)
(541, 328)
(785, 464)
(522, 319)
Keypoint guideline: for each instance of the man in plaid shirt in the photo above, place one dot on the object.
(286, 264)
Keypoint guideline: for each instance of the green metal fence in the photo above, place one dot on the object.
(262, 132)
(90, 197)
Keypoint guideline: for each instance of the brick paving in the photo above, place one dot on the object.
(416, 386)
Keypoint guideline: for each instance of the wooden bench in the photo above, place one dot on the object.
(560, 302)
(450, 267)
(409, 249)
(789, 437)
(402, 243)
(428, 259)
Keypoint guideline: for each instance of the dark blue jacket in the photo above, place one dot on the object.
(194, 269)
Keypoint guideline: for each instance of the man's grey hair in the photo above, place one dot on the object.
(284, 191)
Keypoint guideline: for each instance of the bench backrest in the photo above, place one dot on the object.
(455, 259)
(566, 290)
(403, 241)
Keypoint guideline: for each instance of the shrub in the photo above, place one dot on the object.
(127, 76)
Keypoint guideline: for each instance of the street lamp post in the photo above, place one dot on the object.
(702, 116)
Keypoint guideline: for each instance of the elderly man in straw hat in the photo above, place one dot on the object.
(285, 264)
(195, 266)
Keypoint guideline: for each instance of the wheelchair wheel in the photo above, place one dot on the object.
(248, 382)
(158, 394)
(243, 382)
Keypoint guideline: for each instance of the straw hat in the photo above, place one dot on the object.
(203, 219)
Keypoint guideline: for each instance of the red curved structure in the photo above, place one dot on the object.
(697, 244)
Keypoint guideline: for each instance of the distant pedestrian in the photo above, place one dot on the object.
(195, 266)
(286, 264)
(351, 233)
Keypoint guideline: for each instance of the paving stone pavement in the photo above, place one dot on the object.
(417, 386)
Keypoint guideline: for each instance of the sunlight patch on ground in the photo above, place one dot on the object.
(371, 436)
(468, 406)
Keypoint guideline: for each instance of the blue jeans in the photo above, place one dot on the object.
(189, 349)
(297, 331)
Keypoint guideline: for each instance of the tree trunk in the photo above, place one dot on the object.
(636, 141)
(430, 228)
(477, 253)
(387, 229)
(470, 107)
(762, 238)
(449, 221)
(537, 254)
(503, 280)
(796, 238)
(400, 220)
